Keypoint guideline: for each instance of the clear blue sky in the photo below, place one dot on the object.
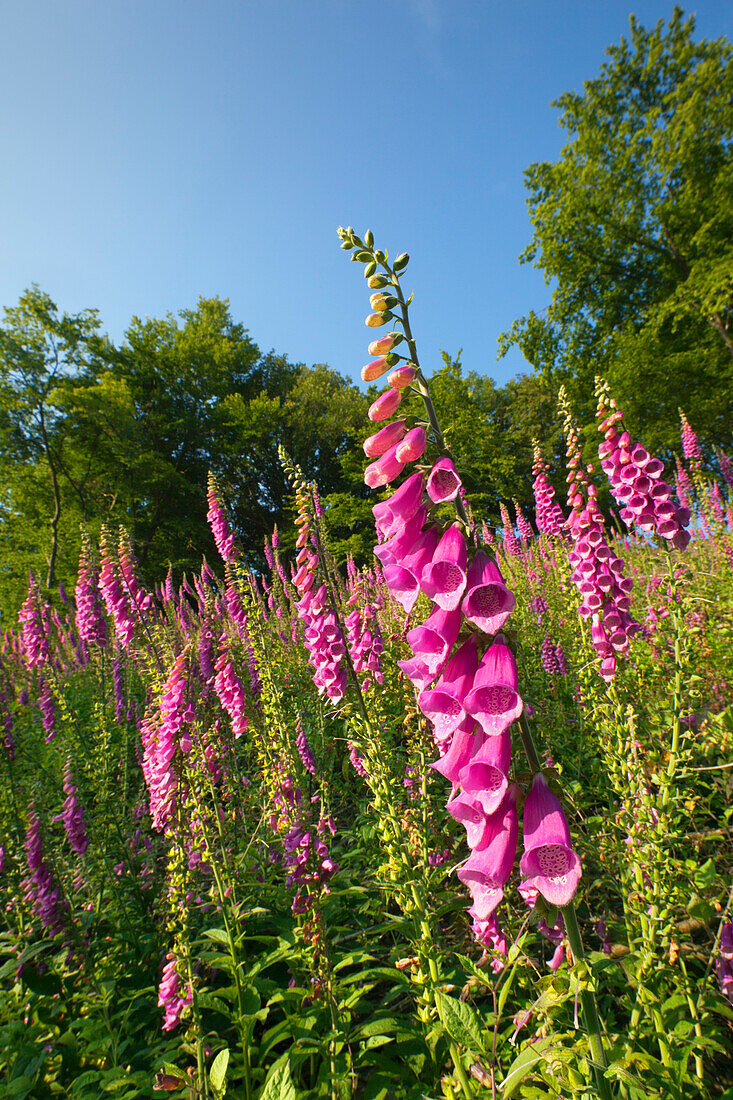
(158, 150)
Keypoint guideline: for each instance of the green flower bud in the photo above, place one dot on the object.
(375, 281)
(346, 245)
(370, 268)
(369, 238)
(364, 256)
(402, 261)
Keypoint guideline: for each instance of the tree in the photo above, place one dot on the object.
(40, 349)
(633, 228)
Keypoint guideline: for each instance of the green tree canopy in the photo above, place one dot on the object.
(633, 228)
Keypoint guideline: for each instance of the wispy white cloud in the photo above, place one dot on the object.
(428, 11)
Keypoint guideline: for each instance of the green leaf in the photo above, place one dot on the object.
(460, 1021)
(218, 1070)
(705, 875)
(279, 1084)
(217, 934)
(523, 1064)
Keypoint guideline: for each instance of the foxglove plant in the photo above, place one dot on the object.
(34, 635)
(90, 620)
(636, 478)
(548, 513)
(598, 574)
(690, 445)
(474, 699)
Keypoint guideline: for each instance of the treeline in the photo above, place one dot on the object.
(95, 434)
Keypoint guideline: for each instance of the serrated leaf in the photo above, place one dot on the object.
(218, 1070)
(460, 1021)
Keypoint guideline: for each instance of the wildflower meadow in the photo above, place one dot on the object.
(453, 821)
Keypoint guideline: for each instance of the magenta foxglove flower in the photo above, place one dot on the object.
(493, 701)
(169, 995)
(403, 578)
(488, 603)
(387, 403)
(444, 580)
(484, 778)
(35, 641)
(443, 705)
(433, 641)
(443, 481)
(690, 446)
(489, 866)
(392, 514)
(463, 745)
(223, 537)
(384, 469)
(548, 513)
(549, 863)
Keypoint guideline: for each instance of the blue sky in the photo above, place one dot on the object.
(158, 150)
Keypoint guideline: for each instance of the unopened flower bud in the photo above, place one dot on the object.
(384, 343)
(377, 367)
(374, 320)
(379, 302)
(385, 405)
(402, 261)
(412, 446)
(375, 281)
(402, 377)
(369, 238)
(370, 268)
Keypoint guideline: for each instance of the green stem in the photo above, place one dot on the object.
(588, 1006)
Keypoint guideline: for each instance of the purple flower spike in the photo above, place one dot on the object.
(443, 704)
(549, 863)
(488, 602)
(443, 481)
(489, 866)
(493, 700)
(444, 580)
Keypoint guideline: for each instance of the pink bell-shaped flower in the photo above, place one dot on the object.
(392, 514)
(384, 469)
(549, 863)
(489, 866)
(443, 704)
(403, 578)
(436, 637)
(488, 602)
(462, 747)
(493, 700)
(484, 778)
(382, 440)
(443, 481)
(444, 580)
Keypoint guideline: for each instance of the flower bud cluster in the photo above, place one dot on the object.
(690, 446)
(548, 513)
(523, 525)
(636, 478)
(72, 815)
(229, 689)
(365, 644)
(116, 598)
(34, 638)
(90, 620)
(511, 542)
(223, 537)
(170, 997)
(598, 573)
(40, 888)
(322, 634)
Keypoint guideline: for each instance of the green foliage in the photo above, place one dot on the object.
(633, 229)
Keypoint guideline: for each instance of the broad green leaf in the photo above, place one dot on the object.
(218, 1070)
(460, 1021)
(279, 1084)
